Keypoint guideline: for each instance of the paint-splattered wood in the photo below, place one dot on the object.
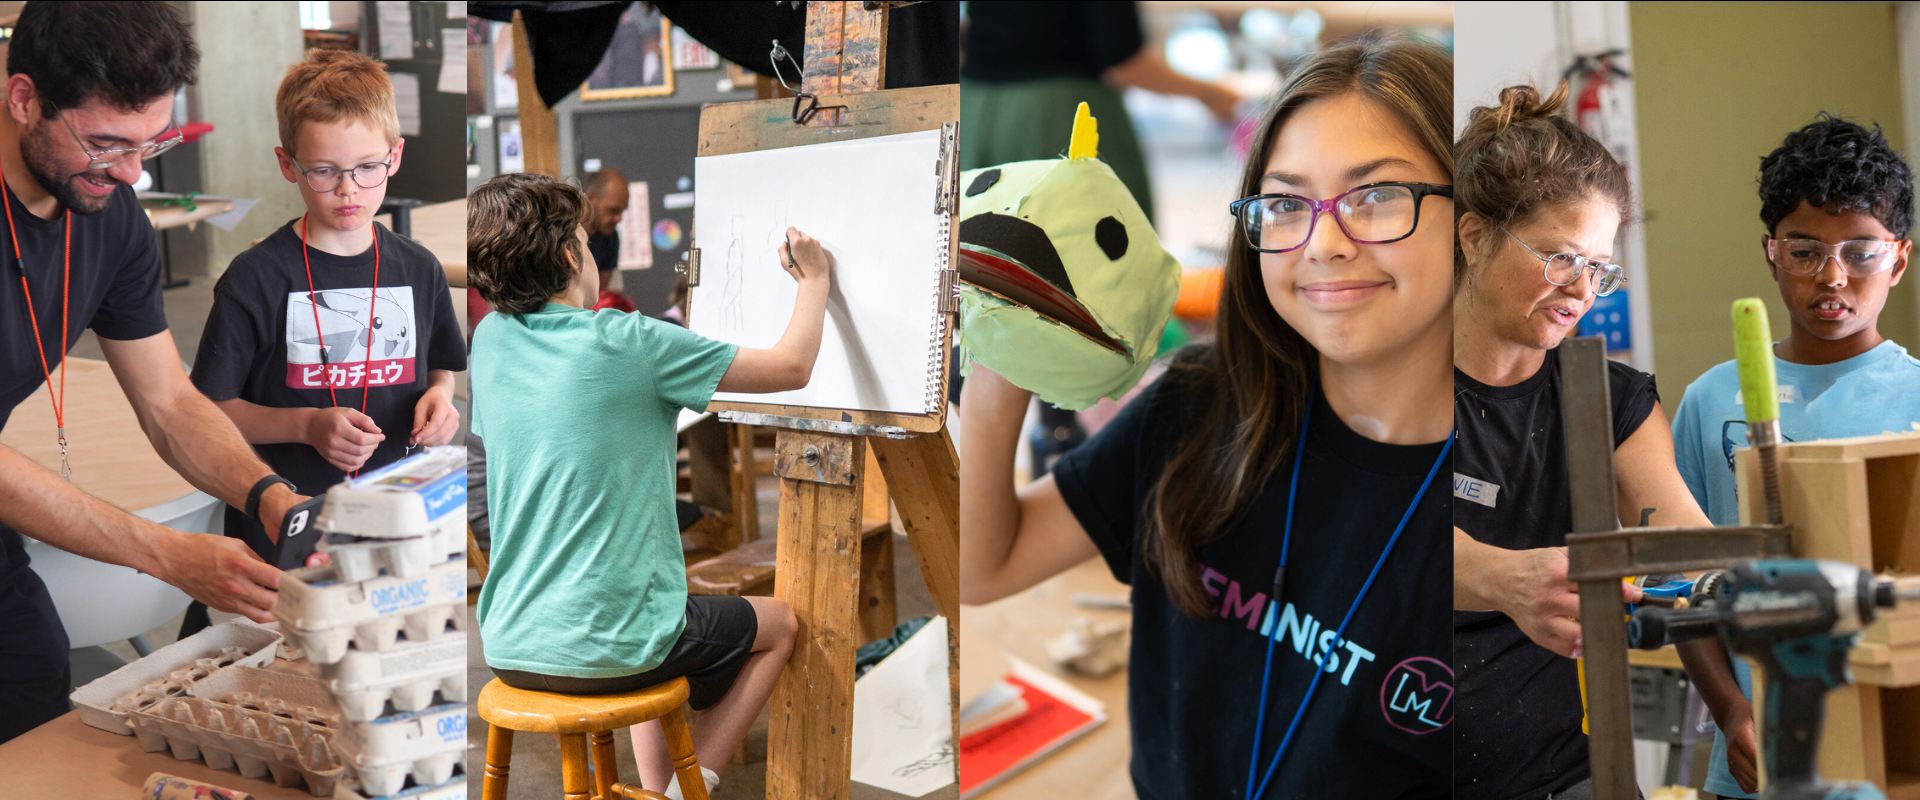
(810, 730)
(539, 131)
(845, 53)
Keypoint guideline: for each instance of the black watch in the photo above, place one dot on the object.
(260, 488)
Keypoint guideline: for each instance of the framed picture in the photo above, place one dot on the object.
(639, 61)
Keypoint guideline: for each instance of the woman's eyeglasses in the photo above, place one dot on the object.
(1859, 257)
(1562, 269)
(1377, 213)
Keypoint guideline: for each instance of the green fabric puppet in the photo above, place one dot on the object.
(1064, 289)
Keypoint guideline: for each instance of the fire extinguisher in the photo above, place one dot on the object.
(1596, 103)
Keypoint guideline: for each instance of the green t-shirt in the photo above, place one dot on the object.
(577, 410)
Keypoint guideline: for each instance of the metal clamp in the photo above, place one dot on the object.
(690, 267)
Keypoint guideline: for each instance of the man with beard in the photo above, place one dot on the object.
(89, 95)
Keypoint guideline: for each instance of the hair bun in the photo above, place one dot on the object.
(1518, 104)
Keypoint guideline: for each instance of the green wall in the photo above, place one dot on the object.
(1718, 86)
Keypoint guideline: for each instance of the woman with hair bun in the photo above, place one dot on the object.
(1538, 203)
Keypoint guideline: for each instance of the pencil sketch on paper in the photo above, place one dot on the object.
(730, 315)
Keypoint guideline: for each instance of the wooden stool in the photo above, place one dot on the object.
(574, 718)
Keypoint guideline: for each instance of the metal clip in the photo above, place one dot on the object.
(945, 169)
(949, 292)
(66, 471)
(690, 267)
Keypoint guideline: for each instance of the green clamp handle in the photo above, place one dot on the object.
(1753, 351)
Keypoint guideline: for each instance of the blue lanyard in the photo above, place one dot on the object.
(1279, 574)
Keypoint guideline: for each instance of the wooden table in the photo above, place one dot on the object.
(67, 759)
(110, 456)
(1093, 767)
(171, 216)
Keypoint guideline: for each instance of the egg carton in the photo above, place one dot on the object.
(363, 558)
(321, 598)
(426, 745)
(407, 675)
(258, 722)
(454, 788)
(108, 702)
(414, 497)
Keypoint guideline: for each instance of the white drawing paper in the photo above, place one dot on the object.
(870, 202)
(406, 99)
(395, 22)
(902, 727)
(636, 229)
(453, 61)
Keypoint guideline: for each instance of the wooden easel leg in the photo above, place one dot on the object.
(879, 607)
(539, 131)
(709, 464)
(810, 732)
(923, 478)
(746, 495)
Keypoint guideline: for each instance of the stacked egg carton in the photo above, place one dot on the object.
(384, 624)
(110, 702)
(262, 723)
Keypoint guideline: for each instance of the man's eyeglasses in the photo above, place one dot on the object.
(102, 159)
(1562, 269)
(1377, 213)
(1859, 257)
(1727, 444)
(326, 179)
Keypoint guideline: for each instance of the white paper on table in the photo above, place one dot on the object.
(453, 61)
(902, 726)
(636, 229)
(225, 220)
(406, 99)
(870, 204)
(396, 29)
(687, 418)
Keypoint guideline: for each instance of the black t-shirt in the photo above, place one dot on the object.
(1379, 722)
(1519, 703)
(1048, 38)
(260, 345)
(605, 249)
(115, 290)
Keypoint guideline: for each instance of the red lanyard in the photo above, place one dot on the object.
(66, 295)
(319, 336)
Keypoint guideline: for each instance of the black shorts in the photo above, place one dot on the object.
(34, 675)
(709, 654)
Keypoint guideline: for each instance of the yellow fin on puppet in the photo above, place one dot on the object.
(1086, 134)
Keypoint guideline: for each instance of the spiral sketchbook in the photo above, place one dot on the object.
(879, 207)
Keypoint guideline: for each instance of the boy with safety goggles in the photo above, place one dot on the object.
(1837, 202)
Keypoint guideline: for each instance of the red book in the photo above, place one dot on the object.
(1056, 714)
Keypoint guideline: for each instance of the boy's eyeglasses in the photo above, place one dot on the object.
(102, 159)
(1377, 213)
(1562, 269)
(1727, 444)
(1859, 257)
(325, 179)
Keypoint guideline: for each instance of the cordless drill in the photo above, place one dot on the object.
(1798, 618)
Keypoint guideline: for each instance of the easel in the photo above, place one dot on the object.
(821, 454)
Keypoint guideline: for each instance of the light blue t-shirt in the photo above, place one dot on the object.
(577, 409)
(1875, 392)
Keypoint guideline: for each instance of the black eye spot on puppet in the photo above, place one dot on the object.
(983, 182)
(1111, 235)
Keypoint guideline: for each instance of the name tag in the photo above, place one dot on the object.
(1475, 490)
(1788, 393)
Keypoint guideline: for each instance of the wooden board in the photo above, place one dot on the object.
(755, 125)
(817, 571)
(110, 456)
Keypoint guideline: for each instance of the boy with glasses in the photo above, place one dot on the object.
(332, 343)
(1838, 205)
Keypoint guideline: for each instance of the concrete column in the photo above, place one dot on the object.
(244, 50)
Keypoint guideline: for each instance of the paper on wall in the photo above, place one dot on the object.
(635, 227)
(406, 99)
(902, 724)
(870, 203)
(453, 61)
(395, 23)
(456, 9)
